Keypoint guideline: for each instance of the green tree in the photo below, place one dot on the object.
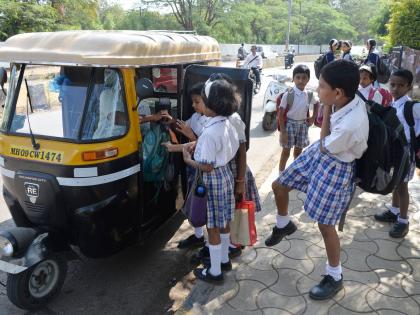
(22, 17)
(404, 24)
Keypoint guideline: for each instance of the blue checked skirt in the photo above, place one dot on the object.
(297, 134)
(251, 189)
(220, 196)
(327, 182)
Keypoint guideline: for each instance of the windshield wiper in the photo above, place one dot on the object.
(35, 144)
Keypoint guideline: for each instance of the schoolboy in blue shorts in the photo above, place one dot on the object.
(400, 83)
(294, 133)
(325, 170)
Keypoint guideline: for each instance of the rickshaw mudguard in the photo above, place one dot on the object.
(42, 246)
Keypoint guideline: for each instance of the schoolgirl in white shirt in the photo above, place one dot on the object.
(216, 146)
(367, 79)
(294, 133)
(325, 170)
(400, 83)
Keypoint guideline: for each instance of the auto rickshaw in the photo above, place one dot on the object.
(72, 150)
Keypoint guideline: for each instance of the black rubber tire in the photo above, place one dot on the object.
(269, 121)
(18, 286)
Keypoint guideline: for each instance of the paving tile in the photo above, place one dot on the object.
(275, 311)
(408, 251)
(389, 312)
(286, 285)
(415, 267)
(315, 251)
(305, 233)
(227, 309)
(357, 260)
(387, 250)
(245, 300)
(410, 286)
(376, 233)
(369, 278)
(379, 301)
(369, 247)
(264, 258)
(338, 309)
(317, 307)
(248, 255)
(400, 266)
(267, 277)
(390, 283)
(221, 294)
(319, 269)
(297, 249)
(305, 266)
(270, 299)
(354, 297)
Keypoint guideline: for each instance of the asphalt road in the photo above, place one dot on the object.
(153, 278)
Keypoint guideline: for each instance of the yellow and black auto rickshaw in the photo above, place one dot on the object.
(72, 151)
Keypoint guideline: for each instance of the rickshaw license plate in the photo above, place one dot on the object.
(41, 155)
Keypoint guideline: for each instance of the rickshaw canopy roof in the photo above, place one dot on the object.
(109, 48)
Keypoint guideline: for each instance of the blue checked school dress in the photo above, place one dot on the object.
(327, 182)
(217, 145)
(297, 134)
(251, 189)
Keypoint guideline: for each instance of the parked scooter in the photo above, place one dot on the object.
(274, 89)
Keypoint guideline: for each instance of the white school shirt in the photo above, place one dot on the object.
(399, 106)
(300, 106)
(197, 122)
(218, 143)
(236, 121)
(253, 61)
(377, 97)
(349, 127)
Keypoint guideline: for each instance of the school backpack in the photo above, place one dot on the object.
(319, 64)
(155, 155)
(383, 71)
(289, 102)
(415, 141)
(385, 163)
(386, 96)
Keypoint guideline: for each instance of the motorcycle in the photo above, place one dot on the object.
(255, 86)
(288, 60)
(276, 87)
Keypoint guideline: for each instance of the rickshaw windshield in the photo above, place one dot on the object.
(73, 103)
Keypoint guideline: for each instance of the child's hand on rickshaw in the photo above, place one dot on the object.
(182, 127)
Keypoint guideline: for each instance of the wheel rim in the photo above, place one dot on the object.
(44, 278)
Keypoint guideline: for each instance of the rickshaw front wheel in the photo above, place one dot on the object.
(39, 284)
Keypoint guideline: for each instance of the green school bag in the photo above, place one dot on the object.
(155, 155)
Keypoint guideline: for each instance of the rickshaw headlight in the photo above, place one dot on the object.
(6, 247)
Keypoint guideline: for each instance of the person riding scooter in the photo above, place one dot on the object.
(288, 58)
(254, 62)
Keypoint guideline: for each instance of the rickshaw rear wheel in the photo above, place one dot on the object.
(39, 284)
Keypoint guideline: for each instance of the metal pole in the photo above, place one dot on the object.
(289, 22)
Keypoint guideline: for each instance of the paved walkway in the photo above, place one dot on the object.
(381, 274)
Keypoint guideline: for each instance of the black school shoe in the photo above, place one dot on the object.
(386, 216)
(208, 277)
(191, 242)
(278, 234)
(326, 289)
(224, 266)
(399, 230)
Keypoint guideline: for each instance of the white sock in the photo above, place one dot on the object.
(282, 220)
(395, 210)
(225, 238)
(215, 259)
(334, 272)
(199, 232)
(401, 220)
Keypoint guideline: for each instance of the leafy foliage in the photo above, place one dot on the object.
(251, 21)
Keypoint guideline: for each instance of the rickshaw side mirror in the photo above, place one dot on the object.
(144, 88)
